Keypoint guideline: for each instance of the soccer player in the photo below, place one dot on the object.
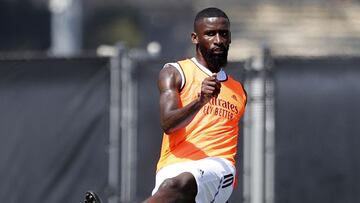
(200, 108)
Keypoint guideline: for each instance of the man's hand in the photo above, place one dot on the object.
(210, 87)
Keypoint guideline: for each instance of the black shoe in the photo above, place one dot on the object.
(91, 197)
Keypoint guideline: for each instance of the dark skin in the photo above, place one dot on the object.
(211, 33)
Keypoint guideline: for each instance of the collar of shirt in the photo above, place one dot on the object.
(203, 68)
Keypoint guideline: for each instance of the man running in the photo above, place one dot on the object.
(200, 108)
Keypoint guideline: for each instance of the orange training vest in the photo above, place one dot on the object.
(214, 130)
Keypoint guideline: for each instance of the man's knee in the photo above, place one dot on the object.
(184, 183)
(170, 184)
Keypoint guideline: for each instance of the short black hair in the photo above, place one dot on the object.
(208, 13)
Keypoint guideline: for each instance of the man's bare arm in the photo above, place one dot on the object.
(172, 116)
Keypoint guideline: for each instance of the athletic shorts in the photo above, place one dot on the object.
(214, 177)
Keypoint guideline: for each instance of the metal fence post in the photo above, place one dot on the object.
(257, 126)
(124, 123)
(115, 136)
(128, 130)
(269, 148)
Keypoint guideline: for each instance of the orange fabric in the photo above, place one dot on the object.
(214, 130)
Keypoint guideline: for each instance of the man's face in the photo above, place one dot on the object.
(213, 38)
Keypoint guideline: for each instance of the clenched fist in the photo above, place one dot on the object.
(210, 87)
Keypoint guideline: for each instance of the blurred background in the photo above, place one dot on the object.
(79, 100)
(300, 27)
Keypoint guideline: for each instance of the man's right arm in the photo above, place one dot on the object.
(172, 116)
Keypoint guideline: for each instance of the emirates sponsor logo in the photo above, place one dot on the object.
(220, 107)
(224, 104)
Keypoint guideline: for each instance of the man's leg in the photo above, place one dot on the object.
(179, 189)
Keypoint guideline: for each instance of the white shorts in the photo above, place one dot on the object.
(214, 178)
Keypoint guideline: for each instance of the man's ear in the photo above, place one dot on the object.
(194, 38)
